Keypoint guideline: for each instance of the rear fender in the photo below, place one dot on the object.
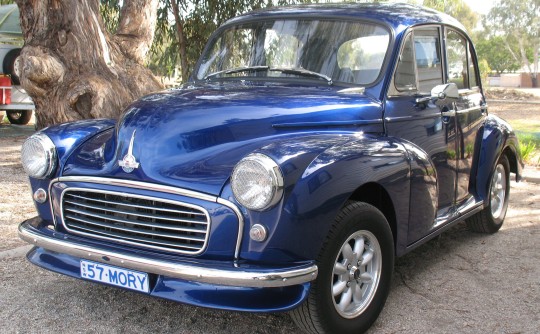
(497, 138)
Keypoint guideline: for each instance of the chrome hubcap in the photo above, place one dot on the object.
(498, 191)
(356, 274)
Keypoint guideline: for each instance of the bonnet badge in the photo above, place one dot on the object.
(129, 162)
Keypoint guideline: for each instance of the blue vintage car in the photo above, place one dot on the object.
(311, 147)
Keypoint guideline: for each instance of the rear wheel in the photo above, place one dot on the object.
(19, 117)
(355, 270)
(491, 218)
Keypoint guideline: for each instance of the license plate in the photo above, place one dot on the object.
(124, 278)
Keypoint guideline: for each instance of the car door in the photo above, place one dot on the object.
(428, 130)
(462, 69)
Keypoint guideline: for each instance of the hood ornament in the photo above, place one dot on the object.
(129, 162)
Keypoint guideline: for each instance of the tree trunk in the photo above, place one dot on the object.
(181, 39)
(74, 69)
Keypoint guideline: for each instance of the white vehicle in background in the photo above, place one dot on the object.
(13, 98)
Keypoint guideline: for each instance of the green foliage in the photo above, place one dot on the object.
(529, 143)
(517, 22)
(110, 11)
(457, 9)
(485, 70)
(527, 150)
(497, 55)
(199, 19)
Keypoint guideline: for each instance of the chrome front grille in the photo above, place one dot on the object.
(137, 220)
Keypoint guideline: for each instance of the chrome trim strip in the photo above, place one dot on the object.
(158, 188)
(359, 122)
(463, 111)
(241, 223)
(190, 272)
(138, 185)
(125, 239)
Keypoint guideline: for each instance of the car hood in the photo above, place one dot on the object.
(193, 137)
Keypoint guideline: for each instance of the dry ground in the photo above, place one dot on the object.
(460, 282)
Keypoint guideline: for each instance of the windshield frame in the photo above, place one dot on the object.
(314, 17)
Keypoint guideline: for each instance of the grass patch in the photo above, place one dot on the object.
(528, 133)
(529, 127)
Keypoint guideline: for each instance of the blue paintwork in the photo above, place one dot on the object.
(497, 136)
(193, 293)
(217, 125)
(329, 145)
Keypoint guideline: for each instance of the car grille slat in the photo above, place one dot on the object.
(131, 238)
(90, 222)
(124, 212)
(192, 212)
(137, 220)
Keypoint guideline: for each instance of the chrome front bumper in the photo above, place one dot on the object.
(235, 276)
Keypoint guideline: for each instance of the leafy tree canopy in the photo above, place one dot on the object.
(494, 51)
(455, 8)
(517, 22)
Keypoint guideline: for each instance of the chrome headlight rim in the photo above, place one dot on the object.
(273, 171)
(49, 150)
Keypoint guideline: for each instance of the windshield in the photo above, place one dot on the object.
(333, 51)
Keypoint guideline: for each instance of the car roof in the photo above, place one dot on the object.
(399, 16)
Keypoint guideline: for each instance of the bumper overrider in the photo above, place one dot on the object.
(187, 280)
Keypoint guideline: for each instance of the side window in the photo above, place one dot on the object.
(405, 77)
(420, 63)
(456, 48)
(427, 50)
(472, 69)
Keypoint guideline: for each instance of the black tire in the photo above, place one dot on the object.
(491, 218)
(19, 117)
(320, 313)
(8, 65)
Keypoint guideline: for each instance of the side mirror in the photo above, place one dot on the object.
(444, 94)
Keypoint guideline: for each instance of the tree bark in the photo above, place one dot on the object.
(181, 39)
(74, 69)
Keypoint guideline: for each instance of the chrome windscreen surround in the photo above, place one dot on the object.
(142, 221)
(157, 188)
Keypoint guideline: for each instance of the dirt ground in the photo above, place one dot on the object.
(460, 282)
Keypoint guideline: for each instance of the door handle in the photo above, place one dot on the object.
(448, 113)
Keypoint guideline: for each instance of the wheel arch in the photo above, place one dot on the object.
(375, 194)
(498, 139)
(512, 154)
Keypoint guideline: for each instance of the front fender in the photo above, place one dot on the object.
(69, 136)
(301, 221)
(66, 138)
(497, 137)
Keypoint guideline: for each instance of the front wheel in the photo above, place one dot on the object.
(491, 218)
(355, 270)
(19, 117)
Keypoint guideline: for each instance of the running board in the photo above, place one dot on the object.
(466, 210)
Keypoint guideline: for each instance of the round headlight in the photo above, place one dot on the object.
(257, 182)
(38, 155)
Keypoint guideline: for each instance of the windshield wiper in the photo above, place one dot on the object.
(238, 70)
(302, 71)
